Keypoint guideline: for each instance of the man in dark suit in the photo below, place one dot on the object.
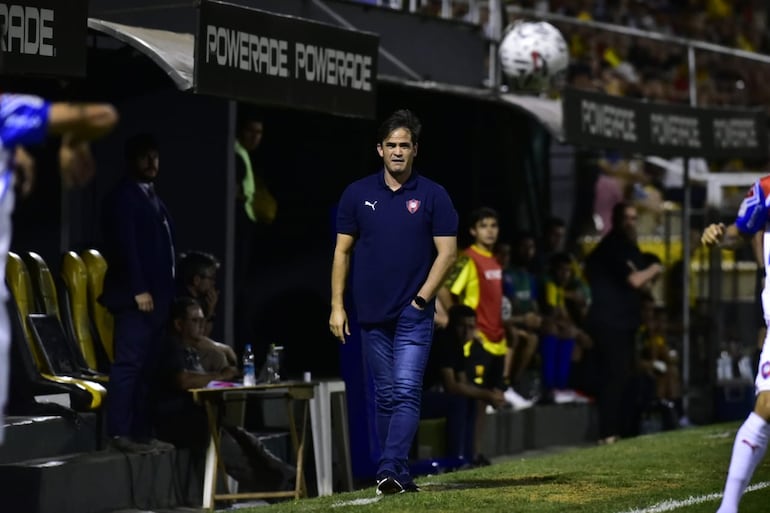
(138, 290)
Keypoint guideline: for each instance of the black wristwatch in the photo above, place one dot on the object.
(420, 301)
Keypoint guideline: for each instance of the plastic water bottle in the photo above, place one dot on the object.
(249, 373)
(273, 364)
(724, 367)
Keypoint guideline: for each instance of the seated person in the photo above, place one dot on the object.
(522, 321)
(563, 341)
(182, 370)
(197, 275)
(197, 278)
(184, 423)
(657, 363)
(188, 319)
(577, 293)
(446, 389)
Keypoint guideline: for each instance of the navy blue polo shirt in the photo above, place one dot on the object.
(394, 247)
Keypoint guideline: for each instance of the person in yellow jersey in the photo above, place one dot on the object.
(477, 281)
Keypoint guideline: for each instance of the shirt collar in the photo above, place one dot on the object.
(146, 187)
(411, 183)
(481, 251)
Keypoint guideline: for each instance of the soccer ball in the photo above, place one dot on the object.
(533, 56)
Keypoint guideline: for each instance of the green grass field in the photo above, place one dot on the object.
(637, 475)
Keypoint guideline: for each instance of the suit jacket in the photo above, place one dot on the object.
(139, 249)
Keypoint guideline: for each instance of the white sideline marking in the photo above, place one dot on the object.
(670, 504)
(356, 502)
(725, 434)
(661, 507)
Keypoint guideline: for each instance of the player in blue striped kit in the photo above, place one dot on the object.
(27, 120)
(751, 440)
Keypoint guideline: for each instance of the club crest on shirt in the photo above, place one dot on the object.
(413, 205)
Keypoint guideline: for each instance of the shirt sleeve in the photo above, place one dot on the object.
(463, 274)
(23, 119)
(445, 219)
(752, 214)
(551, 294)
(347, 221)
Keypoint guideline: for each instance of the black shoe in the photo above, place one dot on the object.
(481, 461)
(411, 487)
(389, 486)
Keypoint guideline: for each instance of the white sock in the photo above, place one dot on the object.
(748, 450)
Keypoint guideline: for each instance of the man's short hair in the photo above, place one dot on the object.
(483, 213)
(400, 119)
(139, 144)
(181, 305)
(194, 263)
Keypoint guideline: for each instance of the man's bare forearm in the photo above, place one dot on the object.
(340, 268)
(82, 121)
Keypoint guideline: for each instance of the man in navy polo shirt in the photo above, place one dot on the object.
(404, 229)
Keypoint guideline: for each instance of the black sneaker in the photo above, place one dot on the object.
(389, 486)
(481, 461)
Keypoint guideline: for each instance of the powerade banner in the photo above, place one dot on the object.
(44, 37)
(597, 120)
(271, 59)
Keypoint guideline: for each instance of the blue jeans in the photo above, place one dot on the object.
(397, 353)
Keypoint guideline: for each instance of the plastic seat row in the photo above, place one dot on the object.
(62, 342)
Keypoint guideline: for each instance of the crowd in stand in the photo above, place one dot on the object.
(646, 68)
(657, 70)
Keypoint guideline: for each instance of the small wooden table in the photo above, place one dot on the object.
(212, 400)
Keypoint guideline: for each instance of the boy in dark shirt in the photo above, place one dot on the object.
(446, 389)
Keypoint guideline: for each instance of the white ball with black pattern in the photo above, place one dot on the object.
(533, 56)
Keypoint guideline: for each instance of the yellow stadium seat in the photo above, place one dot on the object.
(96, 267)
(59, 330)
(73, 272)
(20, 286)
(44, 288)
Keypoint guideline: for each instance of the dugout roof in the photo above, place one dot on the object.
(174, 53)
